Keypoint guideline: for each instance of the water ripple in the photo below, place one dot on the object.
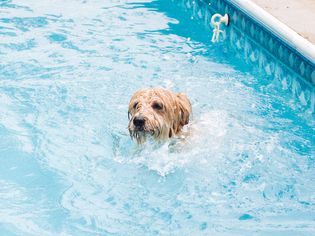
(68, 166)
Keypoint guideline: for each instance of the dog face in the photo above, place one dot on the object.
(157, 113)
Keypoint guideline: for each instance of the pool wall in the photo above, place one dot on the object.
(266, 43)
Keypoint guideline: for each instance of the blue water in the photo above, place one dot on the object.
(68, 166)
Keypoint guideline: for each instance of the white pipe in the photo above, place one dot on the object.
(216, 21)
(222, 19)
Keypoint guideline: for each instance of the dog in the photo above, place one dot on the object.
(157, 113)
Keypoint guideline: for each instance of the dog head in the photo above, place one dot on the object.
(157, 113)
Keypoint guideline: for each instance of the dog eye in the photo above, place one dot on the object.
(157, 106)
(135, 105)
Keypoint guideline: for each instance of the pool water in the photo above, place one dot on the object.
(68, 165)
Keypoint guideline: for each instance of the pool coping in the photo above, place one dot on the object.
(281, 30)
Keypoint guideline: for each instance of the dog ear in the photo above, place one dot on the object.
(184, 108)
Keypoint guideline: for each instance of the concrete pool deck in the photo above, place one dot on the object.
(299, 15)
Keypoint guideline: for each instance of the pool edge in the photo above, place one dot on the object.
(278, 53)
(281, 30)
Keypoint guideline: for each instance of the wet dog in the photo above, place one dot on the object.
(157, 113)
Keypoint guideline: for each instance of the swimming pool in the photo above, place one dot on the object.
(68, 166)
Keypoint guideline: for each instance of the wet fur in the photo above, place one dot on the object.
(160, 124)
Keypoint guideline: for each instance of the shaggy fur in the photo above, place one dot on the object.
(157, 113)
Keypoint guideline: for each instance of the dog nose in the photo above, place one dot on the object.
(139, 121)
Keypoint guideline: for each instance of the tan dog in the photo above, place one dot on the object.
(157, 113)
